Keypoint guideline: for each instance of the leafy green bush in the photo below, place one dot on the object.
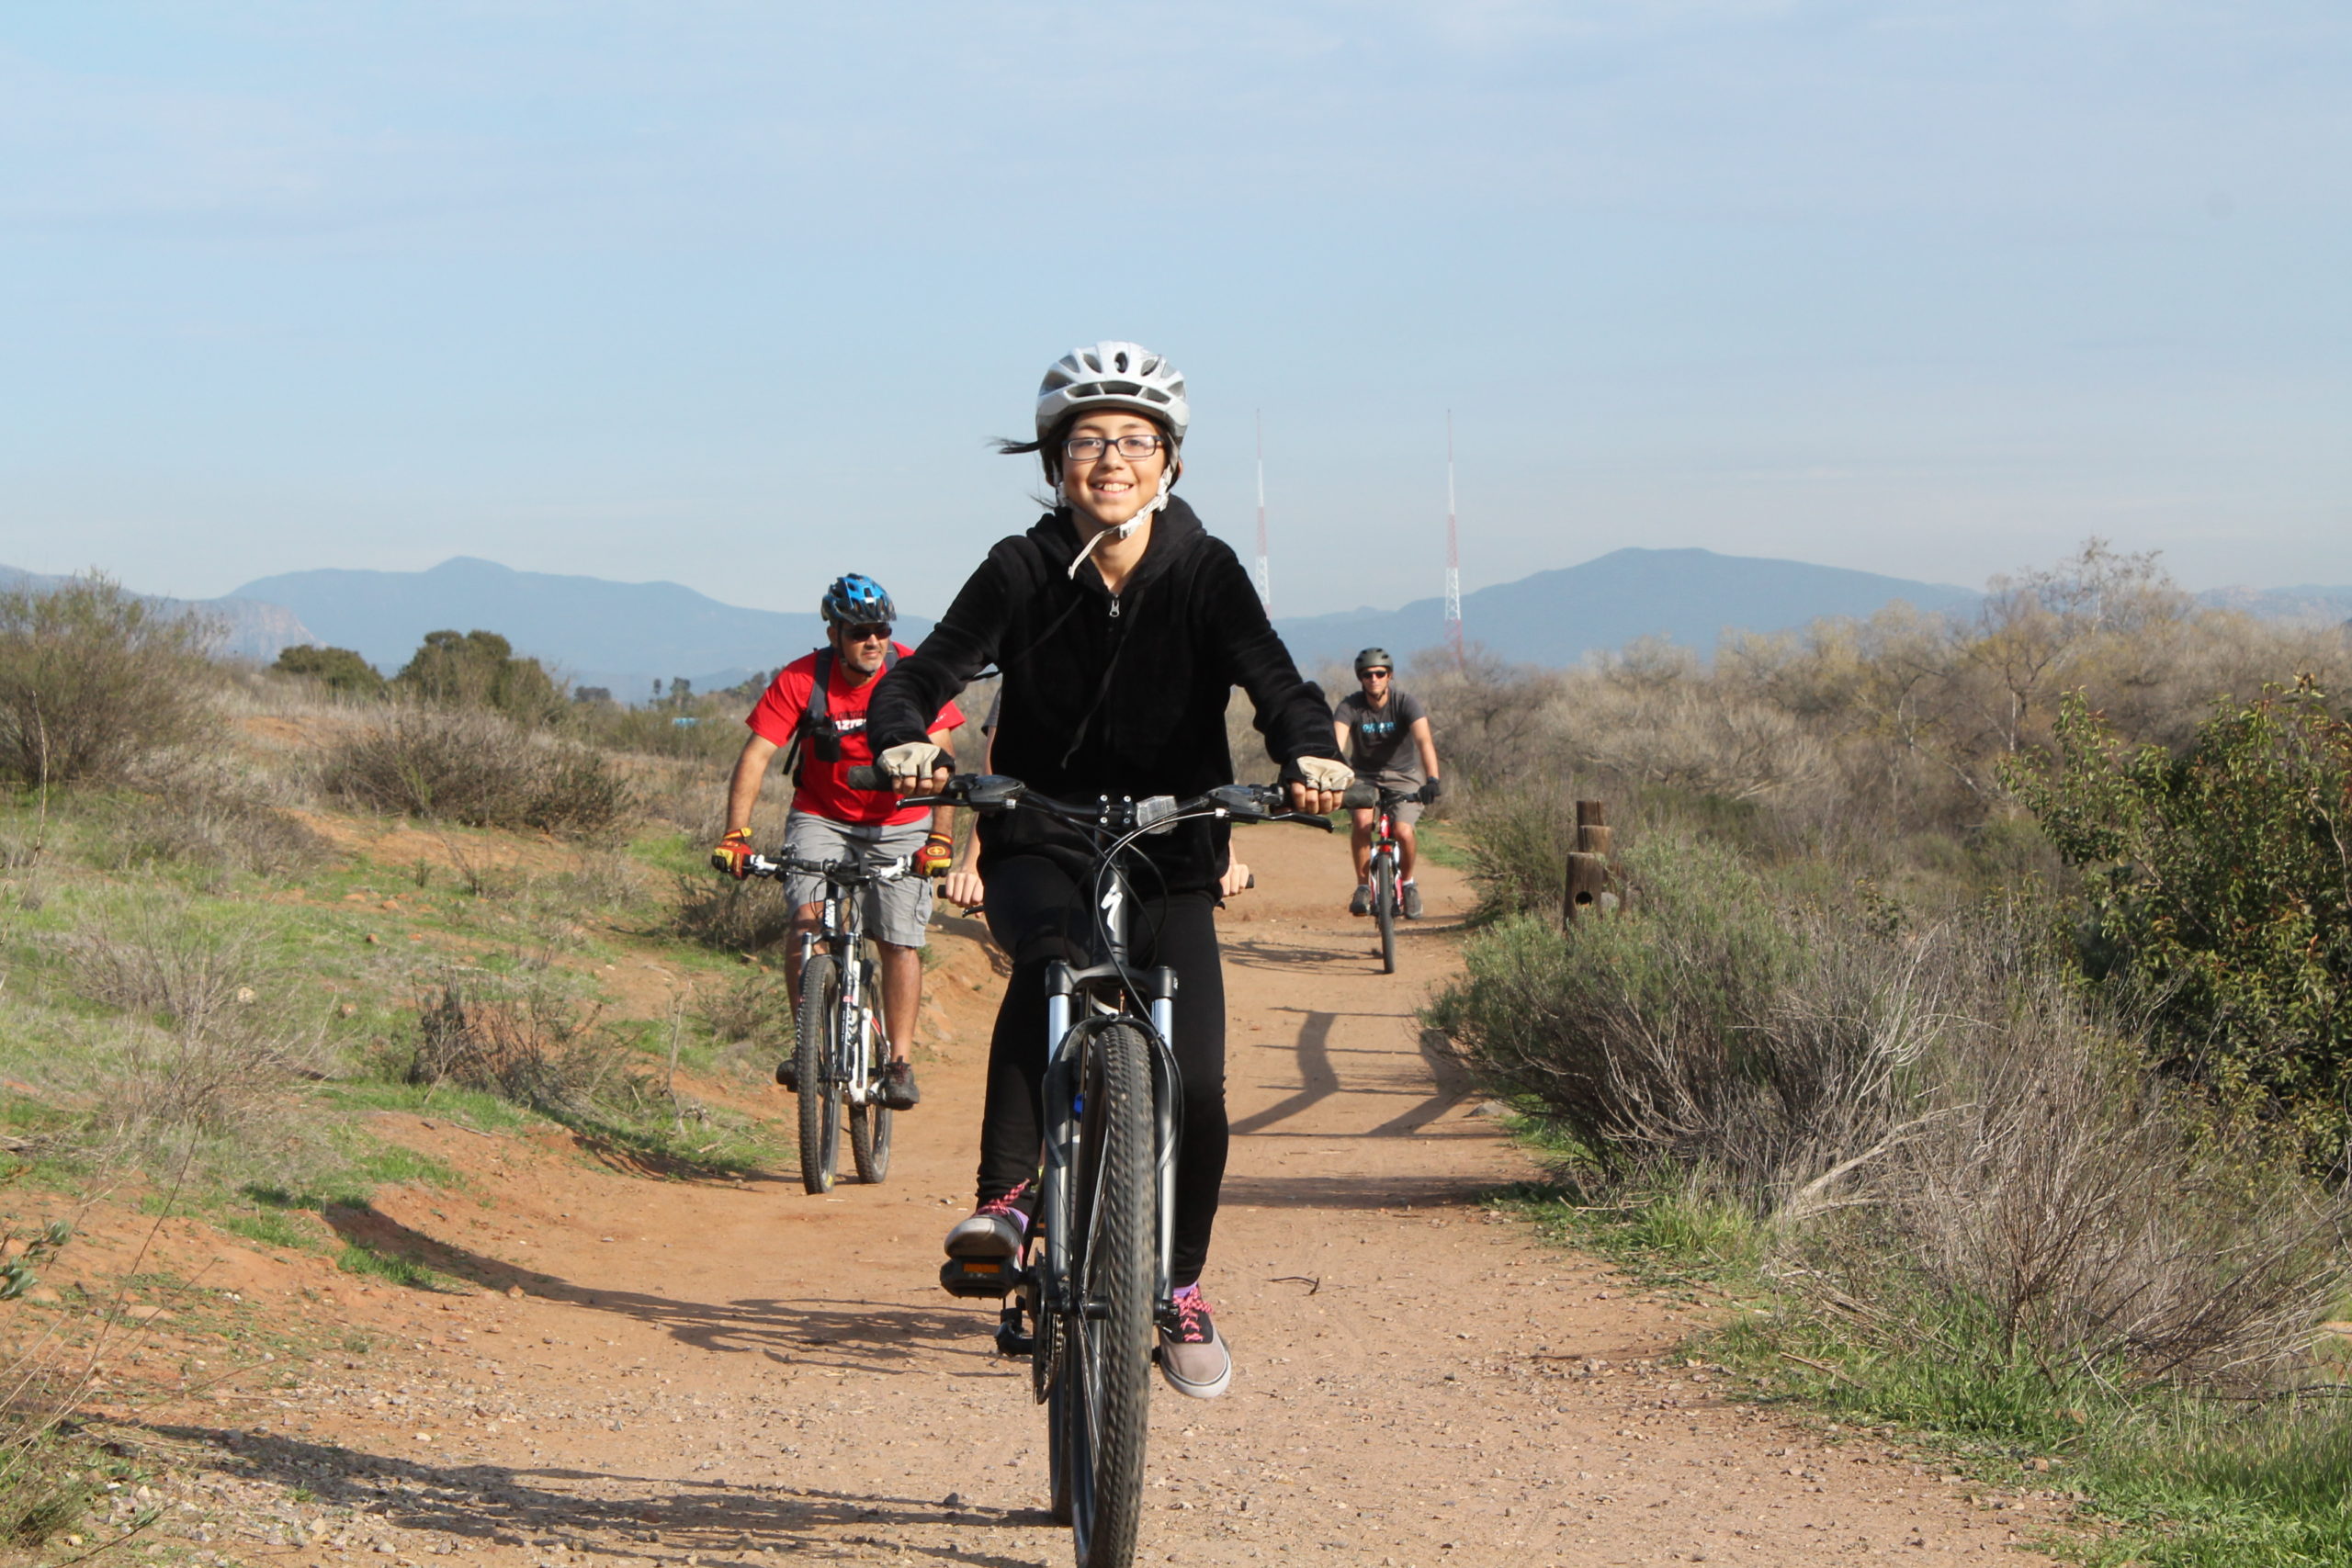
(338, 668)
(92, 678)
(478, 668)
(2220, 890)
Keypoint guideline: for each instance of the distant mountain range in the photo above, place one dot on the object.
(623, 637)
(249, 629)
(629, 637)
(1558, 617)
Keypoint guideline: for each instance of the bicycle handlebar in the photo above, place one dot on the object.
(848, 873)
(998, 792)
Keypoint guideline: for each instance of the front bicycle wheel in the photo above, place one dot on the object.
(868, 1125)
(821, 1091)
(1102, 1395)
(1384, 910)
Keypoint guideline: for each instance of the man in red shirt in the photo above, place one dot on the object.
(831, 821)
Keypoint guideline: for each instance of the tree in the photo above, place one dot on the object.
(478, 668)
(339, 669)
(2220, 886)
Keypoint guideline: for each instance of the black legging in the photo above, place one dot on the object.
(1038, 914)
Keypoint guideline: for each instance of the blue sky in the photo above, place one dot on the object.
(733, 294)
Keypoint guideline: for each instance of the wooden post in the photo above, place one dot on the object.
(1586, 892)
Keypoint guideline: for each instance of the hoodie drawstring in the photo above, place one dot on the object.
(1123, 529)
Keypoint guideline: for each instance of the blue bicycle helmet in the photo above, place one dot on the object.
(857, 600)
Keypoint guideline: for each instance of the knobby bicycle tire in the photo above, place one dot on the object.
(1383, 908)
(869, 1124)
(1103, 1392)
(821, 1092)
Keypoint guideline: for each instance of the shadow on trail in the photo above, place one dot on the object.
(1450, 1082)
(869, 1335)
(513, 1505)
(1279, 955)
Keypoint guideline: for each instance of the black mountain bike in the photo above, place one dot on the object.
(1081, 1300)
(837, 1027)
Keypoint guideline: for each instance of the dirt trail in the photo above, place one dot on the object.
(713, 1372)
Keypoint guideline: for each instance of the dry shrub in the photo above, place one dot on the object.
(1515, 842)
(2052, 1184)
(479, 768)
(1640, 1038)
(1491, 719)
(207, 1049)
(758, 1006)
(1858, 732)
(157, 962)
(739, 917)
(524, 1042)
(92, 678)
(1930, 1118)
(200, 819)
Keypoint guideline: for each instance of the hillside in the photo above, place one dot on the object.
(250, 629)
(1557, 617)
(622, 636)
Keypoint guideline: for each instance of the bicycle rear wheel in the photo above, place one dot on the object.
(1100, 1401)
(1383, 908)
(821, 1090)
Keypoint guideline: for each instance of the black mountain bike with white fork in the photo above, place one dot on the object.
(1082, 1298)
(837, 1035)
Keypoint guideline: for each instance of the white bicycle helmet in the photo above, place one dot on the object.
(1114, 376)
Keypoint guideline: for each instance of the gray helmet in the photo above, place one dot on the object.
(1374, 659)
(1113, 374)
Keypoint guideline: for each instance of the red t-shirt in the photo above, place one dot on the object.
(822, 792)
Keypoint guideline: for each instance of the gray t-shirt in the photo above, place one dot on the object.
(1380, 739)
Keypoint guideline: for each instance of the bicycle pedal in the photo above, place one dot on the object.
(1014, 1345)
(989, 1277)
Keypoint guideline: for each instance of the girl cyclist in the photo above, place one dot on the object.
(1121, 627)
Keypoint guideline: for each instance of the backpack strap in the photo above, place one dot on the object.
(815, 732)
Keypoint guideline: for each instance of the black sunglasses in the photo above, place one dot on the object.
(866, 633)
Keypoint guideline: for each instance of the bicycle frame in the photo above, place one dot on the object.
(852, 1057)
(841, 932)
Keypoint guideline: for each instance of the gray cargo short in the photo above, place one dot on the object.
(896, 912)
(1400, 779)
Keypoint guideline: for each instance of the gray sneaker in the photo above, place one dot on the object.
(1361, 903)
(1193, 1356)
(995, 1228)
(1412, 892)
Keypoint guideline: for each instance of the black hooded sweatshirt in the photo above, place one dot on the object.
(1110, 695)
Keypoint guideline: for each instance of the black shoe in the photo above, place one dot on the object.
(899, 1092)
(787, 1073)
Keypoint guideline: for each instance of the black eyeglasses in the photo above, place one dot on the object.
(1086, 448)
(866, 634)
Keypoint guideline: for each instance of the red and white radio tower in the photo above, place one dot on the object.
(1264, 578)
(1452, 553)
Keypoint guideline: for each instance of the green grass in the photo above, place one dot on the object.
(1440, 844)
(409, 1272)
(2167, 1479)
